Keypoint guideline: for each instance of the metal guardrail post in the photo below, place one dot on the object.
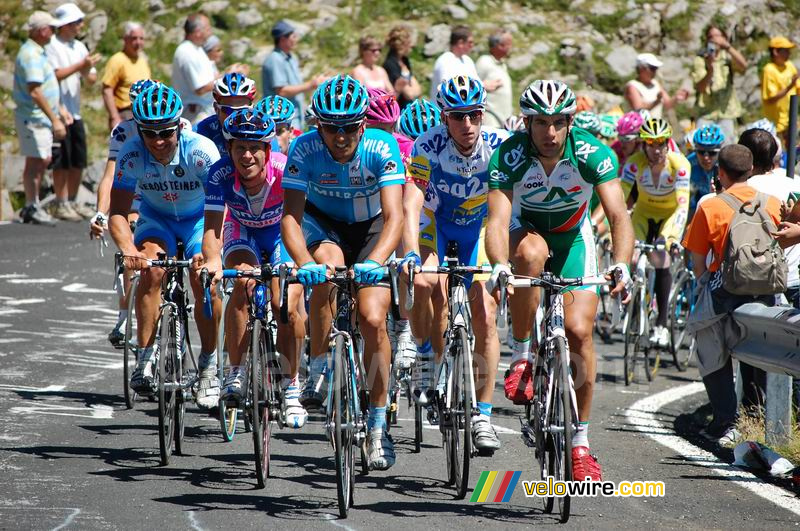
(778, 422)
(791, 156)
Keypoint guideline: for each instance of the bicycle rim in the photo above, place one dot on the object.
(166, 375)
(128, 350)
(180, 408)
(544, 443)
(446, 427)
(463, 420)
(632, 326)
(255, 401)
(679, 308)
(564, 396)
(417, 428)
(342, 426)
(228, 416)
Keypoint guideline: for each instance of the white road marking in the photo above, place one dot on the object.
(17, 302)
(25, 388)
(33, 281)
(93, 308)
(193, 521)
(75, 323)
(68, 520)
(94, 411)
(12, 340)
(11, 311)
(333, 520)
(82, 288)
(13, 275)
(643, 416)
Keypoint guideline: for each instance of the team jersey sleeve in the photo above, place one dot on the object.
(676, 223)
(129, 165)
(507, 162)
(421, 166)
(118, 137)
(203, 156)
(601, 164)
(391, 170)
(297, 174)
(215, 192)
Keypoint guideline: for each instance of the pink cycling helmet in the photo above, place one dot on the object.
(383, 107)
(629, 124)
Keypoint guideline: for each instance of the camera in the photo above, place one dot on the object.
(709, 50)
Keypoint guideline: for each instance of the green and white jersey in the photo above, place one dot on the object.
(558, 202)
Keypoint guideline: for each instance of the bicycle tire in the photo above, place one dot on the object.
(180, 403)
(564, 412)
(128, 351)
(631, 333)
(461, 414)
(343, 420)
(680, 305)
(228, 416)
(445, 426)
(417, 428)
(255, 403)
(544, 445)
(166, 374)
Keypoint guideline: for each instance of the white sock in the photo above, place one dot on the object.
(581, 436)
(521, 351)
(147, 354)
(122, 316)
(402, 325)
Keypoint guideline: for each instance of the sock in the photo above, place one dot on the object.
(581, 437)
(485, 409)
(424, 350)
(663, 283)
(207, 359)
(122, 316)
(317, 365)
(376, 418)
(146, 354)
(402, 325)
(292, 391)
(521, 351)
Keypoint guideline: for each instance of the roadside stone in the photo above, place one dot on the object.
(437, 40)
(238, 47)
(622, 60)
(676, 8)
(248, 18)
(217, 6)
(98, 24)
(469, 5)
(455, 12)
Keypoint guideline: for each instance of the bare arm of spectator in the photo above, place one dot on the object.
(290, 91)
(634, 98)
(35, 90)
(81, 66)
(698, 264)
(408, 87)
(783, 92)
(111, 106)
(739, 62)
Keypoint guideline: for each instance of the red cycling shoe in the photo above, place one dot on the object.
(585, 465)
(518, 383)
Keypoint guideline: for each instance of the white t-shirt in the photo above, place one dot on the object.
(649, 95)
(777, 184)
(62, 54)
(191, 70)
(447, 66)
(499, 103)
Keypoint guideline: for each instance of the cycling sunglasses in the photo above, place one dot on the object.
(461, 116)
(629, 138)
(158, 133)
(657, 142)
(708, 152)
(334, 129)
(227, 110)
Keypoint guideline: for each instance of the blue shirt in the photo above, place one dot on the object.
(700, 182)
(31, 66)
(281, 70)
(175, 191)
(348, 192)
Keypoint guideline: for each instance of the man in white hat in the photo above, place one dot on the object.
(71, 61)
(36, 116)
(645, 92)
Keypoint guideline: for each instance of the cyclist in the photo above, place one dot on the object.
(541, 181)
(383, 113)
(343, 206)
(281, 110)
(244, 202)
(417, 117)
(628, 142)
(589, 121)
(661, 179)
(232, 91)
(169, 168)
(449, 166)
(706, 142)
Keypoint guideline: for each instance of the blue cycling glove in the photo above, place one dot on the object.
(311, 274)
(369, 272)
(412, 258)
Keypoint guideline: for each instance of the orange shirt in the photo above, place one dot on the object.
(709, 228)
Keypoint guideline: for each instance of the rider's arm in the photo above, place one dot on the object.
(413, 199)
(118, 222)
(104, 187)
(611, 198)
(676, 223)
(212, 236)
(294, 203)
(497, 225)
(392, 211)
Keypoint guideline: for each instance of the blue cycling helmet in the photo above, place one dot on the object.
(708, 136)
(248, 124)
(341, 100)
(140, 86)
(280, 109)
(460, 92)
(418, 116)
(234, 84)
(157, 105)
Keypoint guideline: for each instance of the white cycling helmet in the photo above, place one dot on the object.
(514, 123)
(547, 97)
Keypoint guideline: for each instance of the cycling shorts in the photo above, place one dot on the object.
(154, 226)
(435, 234)
(574, 252)
(646, 229)
(237, 237)
(356, 240)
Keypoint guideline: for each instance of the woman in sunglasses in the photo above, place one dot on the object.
(368, 71)
(660, 178)
(232, 92)
(707, 141)
(169, 169)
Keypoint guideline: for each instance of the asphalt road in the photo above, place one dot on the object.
(72, 456)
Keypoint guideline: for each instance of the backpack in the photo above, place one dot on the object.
(752, 261)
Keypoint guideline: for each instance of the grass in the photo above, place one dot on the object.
(752, 429)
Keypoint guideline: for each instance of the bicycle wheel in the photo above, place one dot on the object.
(562, 418)
(535, 413)
(632, 327)
(343, 421)
(167, 355)
(461, 413)
(228, 416)
(681, 302)
(180, 403)
(129, 349)
(446, 426)
(256, 403)
(417, 428)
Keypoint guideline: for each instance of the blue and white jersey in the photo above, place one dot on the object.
(348, 192)
(456, 186)
(127, 129)
(177, 190)
(212, 129)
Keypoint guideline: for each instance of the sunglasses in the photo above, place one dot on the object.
(158, 133)
(228, 109)
(657, 142)
(461, 116)
(334, 129)
(629, 138)
(373, 50)
(708, 152)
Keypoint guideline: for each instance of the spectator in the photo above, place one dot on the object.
(712, 74)
(36, 116)
(280, 72)
(779, 81)
(455, 62)
(711, 321)
(398, 66)
(214, 51)
(493, 70)
(123, 69)
(646, 92)
(71, 61)
(371, 74)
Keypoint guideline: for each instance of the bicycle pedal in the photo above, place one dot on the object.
(483, 452)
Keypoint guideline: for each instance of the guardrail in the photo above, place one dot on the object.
(771, 341)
